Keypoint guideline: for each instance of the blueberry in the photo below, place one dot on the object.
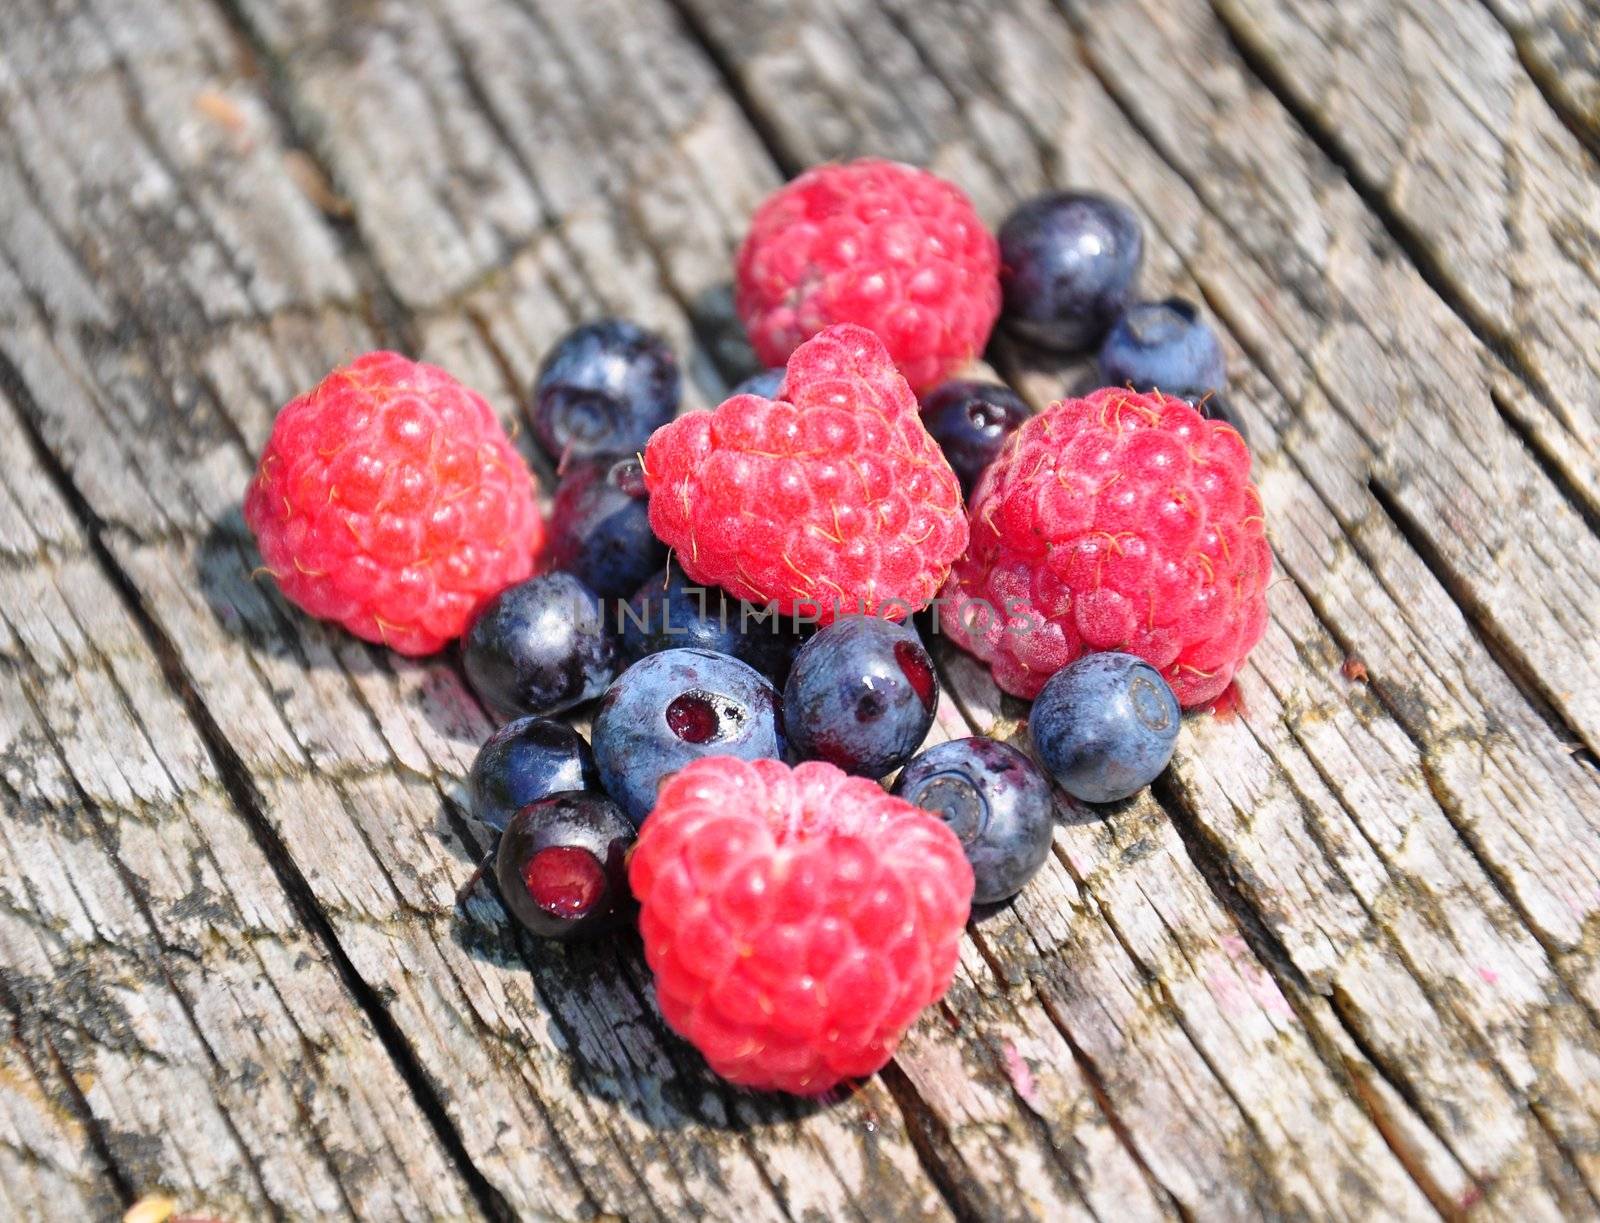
(670, 612)
(970, 421)
(559, 865)
(1163, 346)
(526, 760)
(1105, 726)
(539, 647)
(600, 526)
(861, 695)
(677, 706)
(767, 384)
(995, 800)
(604, 389)
(1069, 262)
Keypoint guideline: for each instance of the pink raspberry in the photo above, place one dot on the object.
(891, 247)
(796, 920)
(832, 498)
(1115, 522)
(390, 500)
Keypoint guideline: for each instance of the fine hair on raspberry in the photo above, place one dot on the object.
(390, 500)
(797, 920)
(830, 500)
(878, 243)
(1118, 521)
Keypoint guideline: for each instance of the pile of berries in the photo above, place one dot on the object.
(730, 594)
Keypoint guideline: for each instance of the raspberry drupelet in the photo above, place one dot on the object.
(390, 500)
(797, 920)
(1119, 521)
(878, 243)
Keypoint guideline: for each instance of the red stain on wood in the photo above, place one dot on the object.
(1229, 705)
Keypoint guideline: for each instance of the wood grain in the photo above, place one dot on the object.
(1555, 40)
(149, 948)
(567, 1092)
(1341, 963)
(1090, 140)
(1437, 120)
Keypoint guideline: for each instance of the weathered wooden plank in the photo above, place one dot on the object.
(509, 313)
(146, 940)
(46, 1155)
(1310, 566)
(1429, 107)
(353, 754)
(1089, 141)
(986, 1116)
(1390, 359)
(351, 871)
(307, 699)
(1555, 39)
(1164, 947)
(1330, 387)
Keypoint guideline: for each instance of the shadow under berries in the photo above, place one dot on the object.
(245, 604)
(722, 337)
(599, 1002)
(243, 600)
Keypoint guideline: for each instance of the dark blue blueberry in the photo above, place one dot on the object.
(861, 695)
(559, 867)
(539, 647)
(600, 526)
(1166, 347)
(671, 612)
(677, 706)
(767, 384)
(970, 421)
(995, 800)
(604, 389)
(1105, 726)
(526, 760)
(1069, 262)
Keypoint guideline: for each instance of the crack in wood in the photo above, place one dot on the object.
(1534, 688)
(1210, 857)
(1096, 1085)
(384, 312)
(1424, 254)
(1585, 128)
(93, 1131)
(788, 163)
(939, 1156)
(240, 787)
(161, 963)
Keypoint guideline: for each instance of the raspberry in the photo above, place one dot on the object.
(796, 920)
(389, 500)
(878, 243)
(1116, 522)
(833, 498)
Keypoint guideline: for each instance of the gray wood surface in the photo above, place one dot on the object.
(1340, 963)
